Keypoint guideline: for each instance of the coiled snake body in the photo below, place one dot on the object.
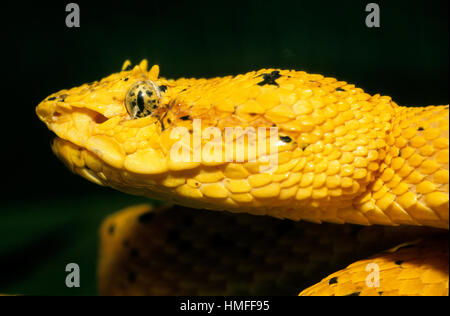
(340, 156)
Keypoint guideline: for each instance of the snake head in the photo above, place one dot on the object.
(98, 124)
(120, 131)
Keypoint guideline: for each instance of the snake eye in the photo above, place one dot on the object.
(142, 99)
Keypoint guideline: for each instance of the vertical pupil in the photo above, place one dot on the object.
(140, 101)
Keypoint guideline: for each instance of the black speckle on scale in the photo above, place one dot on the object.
(270, 78)
(286, 139)
(333, 281)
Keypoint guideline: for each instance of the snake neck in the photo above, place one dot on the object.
(412, 186)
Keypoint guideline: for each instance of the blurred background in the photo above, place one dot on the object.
(49, 217)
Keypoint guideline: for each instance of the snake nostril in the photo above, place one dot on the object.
(56, 115)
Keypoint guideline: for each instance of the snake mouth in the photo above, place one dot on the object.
(96, 117)
(72, 128)
(61, 117)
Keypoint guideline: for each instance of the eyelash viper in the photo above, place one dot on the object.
(343, 156)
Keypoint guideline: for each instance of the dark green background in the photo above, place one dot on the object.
(50, 217)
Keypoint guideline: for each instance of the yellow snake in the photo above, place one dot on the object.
(314, 149)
